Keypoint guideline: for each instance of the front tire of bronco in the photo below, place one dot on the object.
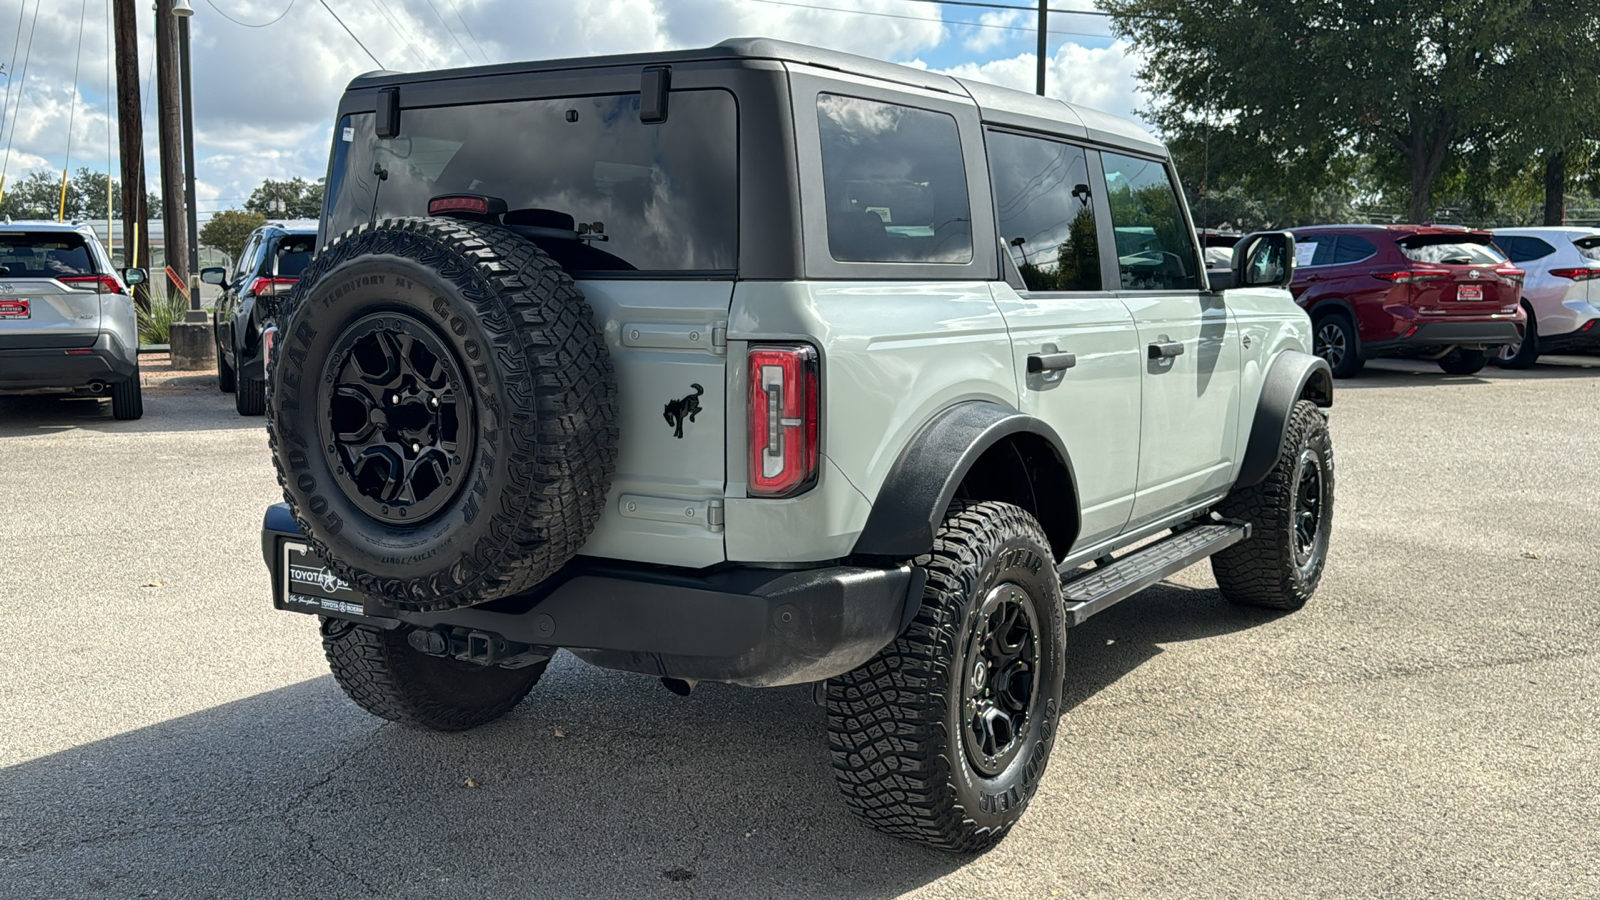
(389, 678)
(943, 736)
(1291, 512)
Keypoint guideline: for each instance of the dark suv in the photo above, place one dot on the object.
(1418, 291)
(269, 266)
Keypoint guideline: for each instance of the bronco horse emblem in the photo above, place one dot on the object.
(679, 410)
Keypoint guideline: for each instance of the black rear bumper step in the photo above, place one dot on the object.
(1103, 586)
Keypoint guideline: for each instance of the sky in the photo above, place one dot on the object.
(264, 97)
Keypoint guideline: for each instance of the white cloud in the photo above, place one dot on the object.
(994, 31)
(1103, 78)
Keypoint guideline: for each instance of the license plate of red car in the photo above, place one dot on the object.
(13, 309)
(1469, 292)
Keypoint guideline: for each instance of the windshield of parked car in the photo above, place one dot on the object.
(44, 254)
(294, 254)
(595, 187)
(1451, 250)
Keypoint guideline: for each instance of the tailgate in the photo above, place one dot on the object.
(1458, 273)
(668, 346)
(43, 312)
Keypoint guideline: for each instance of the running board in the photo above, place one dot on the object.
(1101, 587)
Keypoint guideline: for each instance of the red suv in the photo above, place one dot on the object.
(1419, 291)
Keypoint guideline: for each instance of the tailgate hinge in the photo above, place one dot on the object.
(719, 337)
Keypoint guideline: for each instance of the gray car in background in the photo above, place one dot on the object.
(67, 321)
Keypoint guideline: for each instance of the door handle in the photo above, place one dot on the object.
(1166, 349)
(1050, 362)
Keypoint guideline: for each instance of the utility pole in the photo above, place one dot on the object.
(193, 273)
(130, 129)
(168, 103)
(1044, 44)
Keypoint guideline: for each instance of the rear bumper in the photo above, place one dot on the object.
(1442, 335)
(741, 625)
(67, 367)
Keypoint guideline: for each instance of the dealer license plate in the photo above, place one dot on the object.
(1469, 292)
(309, 586)
(11, 308)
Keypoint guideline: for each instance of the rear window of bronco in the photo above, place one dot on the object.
(650, 198)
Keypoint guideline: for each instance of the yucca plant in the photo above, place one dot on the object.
(155, 323)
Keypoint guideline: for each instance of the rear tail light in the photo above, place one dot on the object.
(1511, 273)
(1410, 276)
(783, 419)
(269, 287)
(96, 283)
(1576, 274)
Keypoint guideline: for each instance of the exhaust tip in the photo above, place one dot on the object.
(98, 387)
(678, 686)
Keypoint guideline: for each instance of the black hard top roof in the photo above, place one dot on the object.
(999, 105)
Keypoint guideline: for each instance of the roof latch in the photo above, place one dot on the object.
(653, 87)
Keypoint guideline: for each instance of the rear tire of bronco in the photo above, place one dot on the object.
(389, 678)
(1463, 362)
(1291, 514)
(127, 398)
(943, 736)
(443, 415)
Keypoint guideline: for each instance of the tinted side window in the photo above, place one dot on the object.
(244, 266)
(1041, 191)
(894, 183)
(1350, 248)
(1155, 249)
(1529, 249)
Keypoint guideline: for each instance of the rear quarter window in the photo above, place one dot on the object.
(894, 183)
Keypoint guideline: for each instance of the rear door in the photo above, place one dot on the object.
(1074, 344)
(1457, 275)
(1190, 352)
(50, 290)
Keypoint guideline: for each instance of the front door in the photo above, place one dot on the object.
(1189, 342)
(1074, 344)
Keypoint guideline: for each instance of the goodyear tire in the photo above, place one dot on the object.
(942, 738)
(385, 676)
(1291, 512)
(441, 412)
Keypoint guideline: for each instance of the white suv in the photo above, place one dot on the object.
(1559, 292)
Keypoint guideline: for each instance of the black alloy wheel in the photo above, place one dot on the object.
(1308, 506)
(399, 429)
(1002, 678)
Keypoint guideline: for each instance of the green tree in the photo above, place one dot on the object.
(228, 230)
(1299, 97)
(295, 198)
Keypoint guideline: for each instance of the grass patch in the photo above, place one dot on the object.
(155, 324)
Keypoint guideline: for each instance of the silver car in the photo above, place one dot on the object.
(67, 321)
(1559, 291)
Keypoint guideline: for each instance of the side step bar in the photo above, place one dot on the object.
(1101, 587)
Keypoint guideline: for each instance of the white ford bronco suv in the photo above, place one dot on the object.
(767, 365)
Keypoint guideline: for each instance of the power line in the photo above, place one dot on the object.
(975, 4)
(22, 11)
(22, 89)
(883, 15)
(72, 113)
(468, 28)
(351, 33)
(213, 4)
(393, 20)
(452, 32)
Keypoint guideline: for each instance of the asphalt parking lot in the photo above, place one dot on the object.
(1428, 726)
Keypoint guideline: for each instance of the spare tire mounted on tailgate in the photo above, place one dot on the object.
(442, 412)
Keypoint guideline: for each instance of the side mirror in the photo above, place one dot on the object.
(1264, 259)
(134, 277)
(1219, 279)
(214, 275)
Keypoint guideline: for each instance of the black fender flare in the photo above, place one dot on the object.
(919, 488)
(1290, 376)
